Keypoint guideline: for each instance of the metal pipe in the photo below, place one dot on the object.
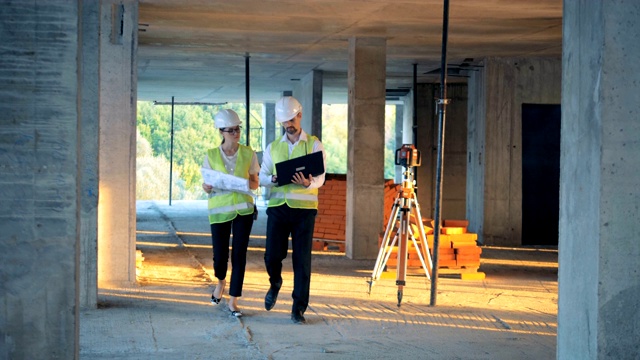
(188, 103)
(415, 105)
(171, 153)
(442, 109)
(415, 116)
(246, 65)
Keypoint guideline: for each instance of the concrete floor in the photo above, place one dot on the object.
(512, 314)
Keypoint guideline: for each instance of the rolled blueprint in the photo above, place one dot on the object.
(224, 181)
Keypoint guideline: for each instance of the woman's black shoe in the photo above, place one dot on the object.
(215, 300)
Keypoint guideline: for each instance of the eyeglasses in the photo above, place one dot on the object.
(235, 130)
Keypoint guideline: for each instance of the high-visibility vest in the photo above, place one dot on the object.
(294, 195)
(225, 205)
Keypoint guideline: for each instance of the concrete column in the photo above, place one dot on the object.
(116, 209)
(279, 128)
(316, 100)
(89, 59)
(269, 118)
(309, 93)
(599, 247)
(476, 135)
(268, 136)
(407, 125)
(365, 173)
(40, 100)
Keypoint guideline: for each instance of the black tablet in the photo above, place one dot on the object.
(312, 164)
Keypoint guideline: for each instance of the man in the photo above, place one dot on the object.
(292, 208)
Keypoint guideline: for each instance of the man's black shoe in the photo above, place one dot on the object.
(298, 318)
(270, 298)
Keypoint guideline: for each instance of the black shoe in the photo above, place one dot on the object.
(215, 300)
(298, 318)
(270, 298)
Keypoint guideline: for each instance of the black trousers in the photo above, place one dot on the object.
(283, 221)
(220, 236)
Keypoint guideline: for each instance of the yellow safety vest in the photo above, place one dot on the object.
(225, 205)
(294, 195)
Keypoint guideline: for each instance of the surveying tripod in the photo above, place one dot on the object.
(404, 206)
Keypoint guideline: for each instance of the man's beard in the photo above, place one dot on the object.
(291, 130)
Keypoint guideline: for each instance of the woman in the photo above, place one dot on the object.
(231, 205)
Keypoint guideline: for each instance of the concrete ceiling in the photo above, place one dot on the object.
(195, 50)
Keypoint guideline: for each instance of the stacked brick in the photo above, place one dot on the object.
(329, 231)
(391, 190)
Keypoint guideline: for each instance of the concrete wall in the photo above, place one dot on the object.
(496, 95)
(40, 93)
(599, 247)
(455, 150)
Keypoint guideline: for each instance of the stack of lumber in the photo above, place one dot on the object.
(458, 252)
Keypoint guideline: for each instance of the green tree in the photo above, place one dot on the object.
(194, 133)
(335, 135)
(389, 141)
(152, 173)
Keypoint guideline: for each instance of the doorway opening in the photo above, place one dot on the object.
(540, 174)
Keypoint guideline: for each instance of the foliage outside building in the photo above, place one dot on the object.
(194, 134)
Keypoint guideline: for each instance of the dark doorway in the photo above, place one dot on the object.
(540, 174)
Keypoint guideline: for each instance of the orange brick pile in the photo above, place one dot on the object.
(329, 231)
(391, 190)
(330, 228)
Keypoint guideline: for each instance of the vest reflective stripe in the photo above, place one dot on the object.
(230, 208)
(294, 195)
(226, 205)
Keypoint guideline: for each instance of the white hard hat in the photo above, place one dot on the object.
(287, 108)
(226, 118)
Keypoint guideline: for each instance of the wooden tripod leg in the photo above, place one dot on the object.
(403, 237)
(386, 245)
(423, 250)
